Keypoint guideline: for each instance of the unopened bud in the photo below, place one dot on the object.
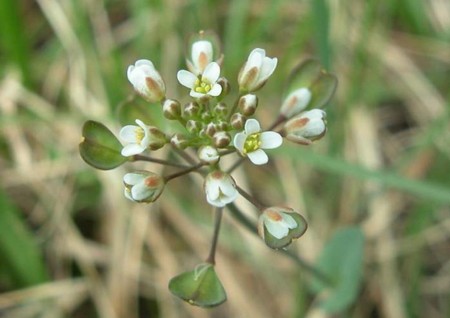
(143, 186)
(222, 125)
(193, 126)
(306, 127)
(190, 110)
(221, 139)
(248, 104)
(256, 71)
(221, 109)
(179, 141)
(295, 102)
(210, 129)
(171, 109)
(222, 81)
(208, 154)
(146, 80)
(237, 121)
(157, 138)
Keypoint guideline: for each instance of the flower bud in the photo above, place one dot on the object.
(306, 127)
(295, 102)
(220, 188)
(221, 139)
(248, 104)
(237, 121)
(146, 81)
(171, 109)
(278, 226)
(203, 48)
(221, 109)
(256, 71)
(222, 81)
(208, 154)
(193, 126)
(179, 141)
(210, 129)
(190, 110)
(222, 125)
(143, 186)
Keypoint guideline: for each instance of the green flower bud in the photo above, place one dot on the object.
(191, 110)
(221, 139)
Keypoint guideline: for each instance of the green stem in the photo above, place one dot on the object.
(163, 162)
(183, 172)
(212, 253)
(250, 198)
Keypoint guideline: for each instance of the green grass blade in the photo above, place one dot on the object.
(20, 256)
(424, 189)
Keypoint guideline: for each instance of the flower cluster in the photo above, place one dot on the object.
(212, 128)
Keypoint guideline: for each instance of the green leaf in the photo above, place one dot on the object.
(341, 261)
(200, 287)
(20, 256)
(100, 148)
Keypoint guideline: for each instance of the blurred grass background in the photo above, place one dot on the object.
(72, 246)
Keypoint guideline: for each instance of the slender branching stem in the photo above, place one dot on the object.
(250, 198)
(212, 253)
(183, 154)
(160, 161)
(236, 164)
(183, 172)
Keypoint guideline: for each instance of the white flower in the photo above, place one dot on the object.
(252, 141)
(277, 223)
(146, 80)
(220, 188)
(295, 102)
(139, 138)
(201, 56)
(306, 127)
(202, 85)
(208, 154)
(256, 70)
(143, 186)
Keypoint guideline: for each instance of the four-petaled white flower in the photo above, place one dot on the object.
(143, 186)
(306, 127)
(146, 80)
(220, 188)
(276, 222)
(204, 84)
(295, 102)
(252, 141)
(139, 138)
(201, 56)
(256, 70)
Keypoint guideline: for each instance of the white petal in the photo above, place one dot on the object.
(255, 59)
(128, 133)
(270, 140)
(212, 188)
(196, 94)
(133, 178)
(216, 202)
(141, 124)
(267, 68)
(132, 149)
(215, 90)
(239, 141)
(198, 48)
(289, 221)
(144, 62)
(276, 229)
(140, 192)
(315, 113)
(252, 126)
(211, 73)
(186, 78)
(258, 157)
(227, 187)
